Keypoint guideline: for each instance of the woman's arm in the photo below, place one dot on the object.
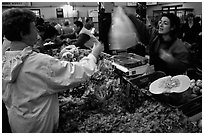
(177, 57)
(55, 75)
(145, 33)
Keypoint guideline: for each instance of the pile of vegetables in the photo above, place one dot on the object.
(196, 87)
(100, 105)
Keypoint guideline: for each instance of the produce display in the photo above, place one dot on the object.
(196, 86)
(100, 105)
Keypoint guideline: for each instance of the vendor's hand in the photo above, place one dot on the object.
(164, 55)
(97, 49)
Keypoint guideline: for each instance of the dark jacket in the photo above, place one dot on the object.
(191, 34)
(152, 40)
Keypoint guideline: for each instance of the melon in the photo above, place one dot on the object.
(168, 84)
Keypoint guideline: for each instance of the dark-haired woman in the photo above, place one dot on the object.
(167, 53)
(191, 30)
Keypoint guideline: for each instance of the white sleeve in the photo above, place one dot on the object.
(62, 75)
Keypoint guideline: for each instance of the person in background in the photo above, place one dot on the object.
(78, 25)
(31, 81)
(89, 25)
(191, 30)
(66, 28)
(40, 42)
(167, 53)
(47, 39)
(86, 39)
(40, 21)
(58, 27)
(198, 21)
(88, 20)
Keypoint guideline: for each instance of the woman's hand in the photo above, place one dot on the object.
(97, 49)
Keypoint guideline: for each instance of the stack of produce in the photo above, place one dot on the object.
(196, 86)
(100, 106)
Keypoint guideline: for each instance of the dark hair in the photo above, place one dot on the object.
(16, 21)
(66, 23)
(39, 21)
(197, 19)
(174, 22)
(41, 28)
(49, 32)
(87, 20)
(78, 24)
(89, 25)
(53, 23)
(190, 15)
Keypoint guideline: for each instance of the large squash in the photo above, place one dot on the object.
(174, 90)
(169, 84)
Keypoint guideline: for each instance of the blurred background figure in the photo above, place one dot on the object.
(39, 21)
(191, 29)
(82, 37)
(192, 34)
(86, 39)
(66, 28)
(47, 39)
(78, 25)
(58, 27)
(90, 26)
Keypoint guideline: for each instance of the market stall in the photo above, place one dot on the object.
(112, 103)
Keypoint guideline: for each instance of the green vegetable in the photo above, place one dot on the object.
(121, 113)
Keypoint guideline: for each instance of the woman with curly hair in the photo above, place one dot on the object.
(31, 81)
(167, 52)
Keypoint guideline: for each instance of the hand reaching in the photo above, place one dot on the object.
(97, 49)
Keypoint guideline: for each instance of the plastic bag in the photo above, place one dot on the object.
(123, 34)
